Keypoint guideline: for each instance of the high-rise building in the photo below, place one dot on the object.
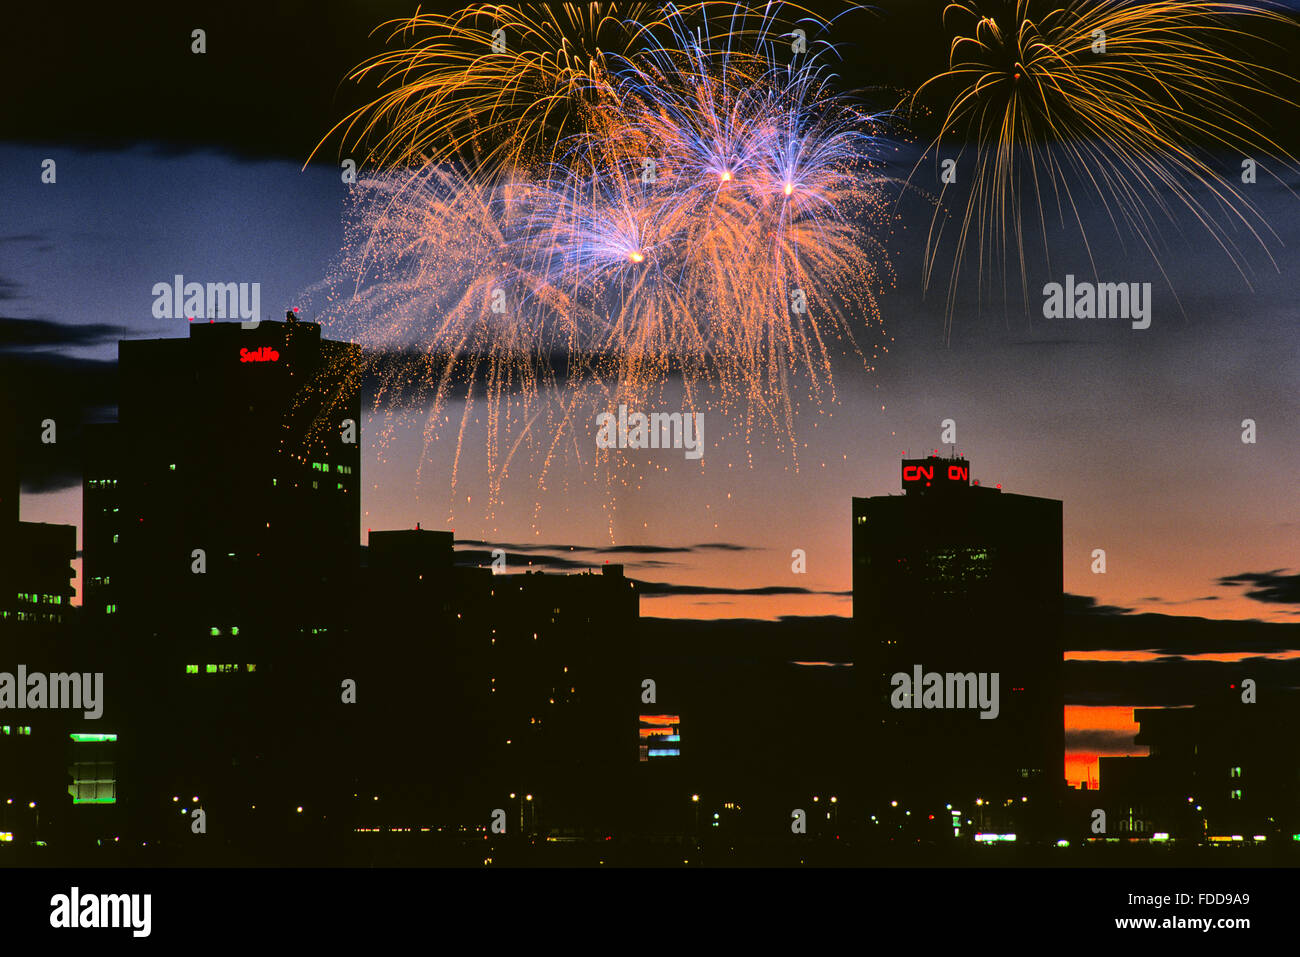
(222, 516)
(957, 604)
(38, 636)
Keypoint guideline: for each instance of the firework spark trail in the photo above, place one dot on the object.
(1042, 104)
(504, 83)
(550, 275)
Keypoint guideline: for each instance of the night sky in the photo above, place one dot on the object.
(173, 163)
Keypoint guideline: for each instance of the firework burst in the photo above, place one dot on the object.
(1109, 102)
(493, 86)
(709, 226)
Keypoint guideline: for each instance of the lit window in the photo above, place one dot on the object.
(191, 669)
(211, 669)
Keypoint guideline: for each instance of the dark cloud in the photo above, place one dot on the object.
(24, 334)
(521, 556)
(659, 589)
(1087, 605)
(1176, 635)
(1270, 587)
(1155, 600)
(47, 385)
(1150, 684)
(482, 558)
(611, 549)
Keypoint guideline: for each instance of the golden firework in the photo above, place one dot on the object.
(1100, 102)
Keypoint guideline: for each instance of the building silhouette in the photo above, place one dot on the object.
(1215, 770)
(516, 683)
(221, 529)
(38, 635)
(964, 581)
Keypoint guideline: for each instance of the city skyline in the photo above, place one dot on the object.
(1171, 444)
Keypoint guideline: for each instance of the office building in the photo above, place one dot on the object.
(958, 584)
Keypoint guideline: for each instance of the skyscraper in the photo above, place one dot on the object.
(222, 532)
(957, 603)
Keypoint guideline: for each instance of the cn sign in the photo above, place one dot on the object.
(935, 472)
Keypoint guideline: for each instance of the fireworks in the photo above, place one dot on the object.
(683, 212)
(494, 86)
(1097, 103)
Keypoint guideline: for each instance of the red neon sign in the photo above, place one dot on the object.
(261, 354)
(932, 471)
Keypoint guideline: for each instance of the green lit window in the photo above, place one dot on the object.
(172, 466)
(215, 631)
(114, 539)
(211, 669)
(251, 667)
(94, 782)
(191, 669)
(110, 609)
(234, 629)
